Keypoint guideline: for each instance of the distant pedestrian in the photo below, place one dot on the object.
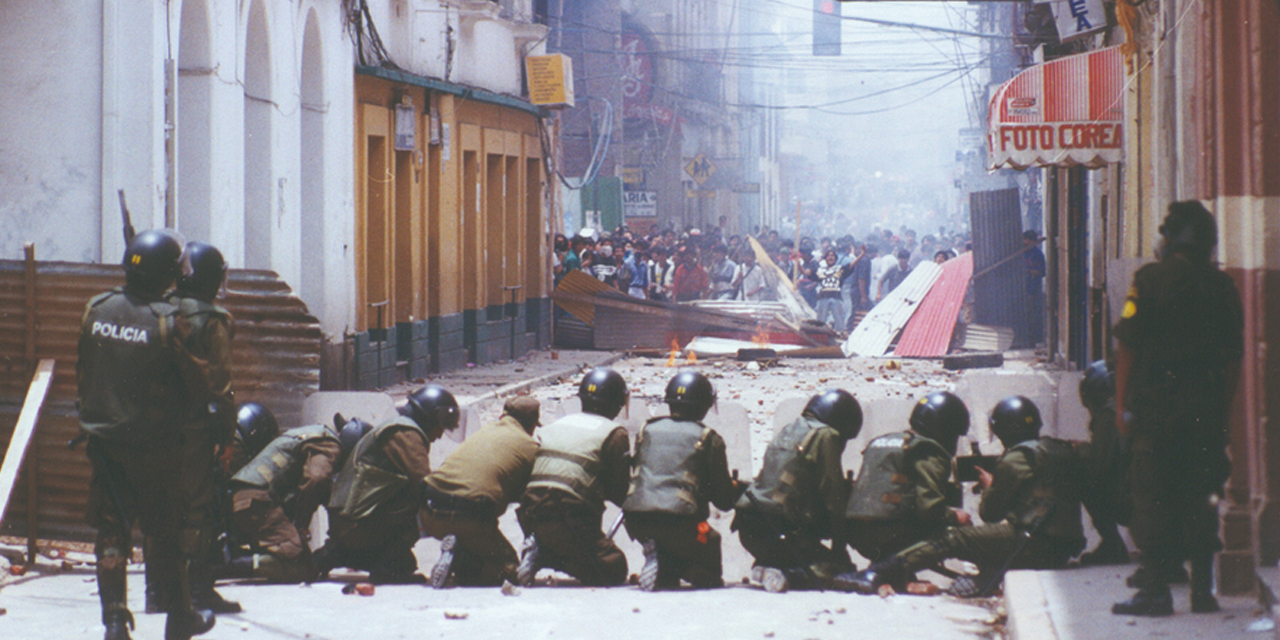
(896, 273)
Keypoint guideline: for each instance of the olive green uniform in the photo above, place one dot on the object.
(797, 500)
(373, 508)
(1104, 491)
(472, 487)
(1183, 323)
(1034, 490)
(135, 403)
(903, 495)
(680, 467)
(584, 459)
(276, 494)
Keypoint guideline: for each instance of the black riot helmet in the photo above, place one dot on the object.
(203, 271)
(256, 427)
(839, 409)
(941, 416)
(1098, 386)
(690, 395)
(1189, 229)
(349, 434)
(1015, 420)
(603, 392)
(151, 262)
(432, 407)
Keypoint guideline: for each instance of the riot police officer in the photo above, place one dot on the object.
(275, 495)
(136, 400)
(1030, 504)
(903, 493)
(799, 496)
(680, 467)
(206, 336)
(463, 499)
(1181, 340)
(583, 460)
(373, 509)
(1102, 493)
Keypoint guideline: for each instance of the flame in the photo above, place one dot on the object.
(693, 358)
(675, 351)
(761, 337)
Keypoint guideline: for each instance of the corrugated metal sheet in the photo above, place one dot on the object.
(980, 337)
(276, 354)
(875, 333)
(761, 311)
(572, 333)
(928, 333)
(579, 283)
(620, 329)
(999, 295)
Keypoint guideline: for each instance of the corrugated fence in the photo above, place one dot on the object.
(276, 353)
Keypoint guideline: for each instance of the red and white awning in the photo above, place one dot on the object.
(1062, 113)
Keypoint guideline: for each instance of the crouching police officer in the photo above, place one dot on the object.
(136, 399)
(1031, 504)
(798, 498)
(904, 492)
(373, 510)
(464, 497)
(680, 466)
(584, 459)
(1103, 492)
(274, 497)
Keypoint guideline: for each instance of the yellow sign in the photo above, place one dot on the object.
(700, 169)
(550, 80)
(694, 193)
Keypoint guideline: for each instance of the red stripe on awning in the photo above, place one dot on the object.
(928, 333)
(1062, 113)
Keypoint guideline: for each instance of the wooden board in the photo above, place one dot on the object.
(23, 430)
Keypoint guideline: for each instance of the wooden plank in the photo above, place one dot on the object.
(875, 333)
(23, 430)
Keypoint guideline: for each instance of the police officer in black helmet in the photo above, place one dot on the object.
(373, 509)
(584, 459)
(1030, 504)
(798, 498)
(1103, 492)
(136, 401)
(680, 467)
(904, 493)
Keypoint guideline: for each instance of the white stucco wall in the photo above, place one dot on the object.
(82, 114)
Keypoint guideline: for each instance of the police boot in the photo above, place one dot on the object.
(1154, 600)
(241, 568)
(773, 579)
(649, 572)
(1202, 600)
(889, 571)
(444, 566)
(528, 568)
(204, 596)
(183, 625)
(1141, 577)
(118, 623)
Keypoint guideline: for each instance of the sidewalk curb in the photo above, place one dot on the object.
(1028, 607)
(525, 385)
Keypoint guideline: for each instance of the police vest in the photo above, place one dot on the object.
(198, 313)
(775, 487)
(885, 490)
(130, 388)
(665, 479)
(278, 467)
(1054, 493)
(368, 479)
(569, 456)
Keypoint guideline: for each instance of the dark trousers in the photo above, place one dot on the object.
(483, 557)
(687, 547)
(763, 537)
(570, 540)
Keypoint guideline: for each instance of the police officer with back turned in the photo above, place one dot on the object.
(1181, 339)
(135, 402)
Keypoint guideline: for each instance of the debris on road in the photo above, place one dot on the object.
(456, 615)
(509, 589)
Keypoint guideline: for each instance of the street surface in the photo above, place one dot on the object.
(54, 602)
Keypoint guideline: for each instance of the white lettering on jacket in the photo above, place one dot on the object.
(124, 334)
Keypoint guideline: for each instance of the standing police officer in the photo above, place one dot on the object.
(798, 498)
(373, 511)
(1181, 339)
(1030, 504)
(904, 492)
(680, 466)
(584, 459)
(136, 403)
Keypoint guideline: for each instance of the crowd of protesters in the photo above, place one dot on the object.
(838, 277)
